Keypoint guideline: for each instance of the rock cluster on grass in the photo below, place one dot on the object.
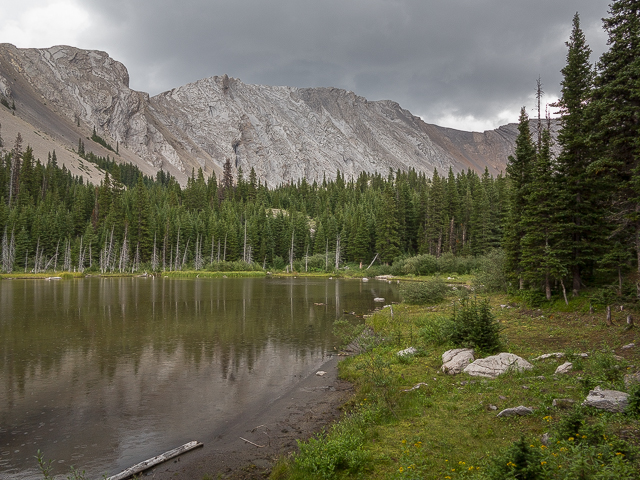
(496, 365)
(454, 361)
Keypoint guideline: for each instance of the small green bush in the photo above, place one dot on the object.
(491, 274)
(634, 400)
(434, 330)
(341, 449)
(473, 325)
(431, 292)
(421, 265)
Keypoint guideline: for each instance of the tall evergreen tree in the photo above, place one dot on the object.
(519, 170)
(540, 252)
(615, 111)
(387, 237)
(579, 212)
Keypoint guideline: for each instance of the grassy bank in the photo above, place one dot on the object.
(42, 276)
(447, 428)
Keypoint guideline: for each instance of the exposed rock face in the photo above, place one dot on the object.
(497, 365)
(283, 133)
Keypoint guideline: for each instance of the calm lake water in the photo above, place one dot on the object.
(103, 373)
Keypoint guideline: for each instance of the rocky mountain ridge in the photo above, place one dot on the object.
(284, 133)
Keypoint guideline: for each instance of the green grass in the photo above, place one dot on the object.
(206, 274)
(449, 427)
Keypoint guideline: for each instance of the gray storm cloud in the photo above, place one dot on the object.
(456, 58)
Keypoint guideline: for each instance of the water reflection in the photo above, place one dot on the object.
(103, 373)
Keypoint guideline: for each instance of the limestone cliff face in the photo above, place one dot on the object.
(283, 133)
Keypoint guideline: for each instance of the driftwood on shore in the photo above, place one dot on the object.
(152, 462)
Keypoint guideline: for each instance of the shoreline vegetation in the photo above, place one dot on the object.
(407, 419)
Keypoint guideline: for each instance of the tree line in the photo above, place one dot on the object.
(575, 217)
(563, 221)
(50, 218)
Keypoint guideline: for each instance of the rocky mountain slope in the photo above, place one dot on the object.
(284, 133)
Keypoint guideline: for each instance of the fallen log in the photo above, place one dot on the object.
(152, 462)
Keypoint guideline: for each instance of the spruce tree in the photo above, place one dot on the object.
(141, 229)
(540, 252)
(580, 216)
(615, 113)
(519, 171)
(387, 237)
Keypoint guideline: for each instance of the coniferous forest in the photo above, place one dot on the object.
(561, 221)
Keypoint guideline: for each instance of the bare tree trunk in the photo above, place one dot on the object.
(224, 256)
(291, 251)
(638, 250)
(608, 320)
(547, 286)
(564, 292)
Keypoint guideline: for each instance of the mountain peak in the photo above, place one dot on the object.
(283, 133)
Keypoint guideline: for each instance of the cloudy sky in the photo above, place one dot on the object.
(467, 64)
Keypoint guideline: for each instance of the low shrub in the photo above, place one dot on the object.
(434, 329)
(431, 292)
(473, 325)
(420, 265)
(491, 275)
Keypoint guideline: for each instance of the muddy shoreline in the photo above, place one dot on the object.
(299, 412)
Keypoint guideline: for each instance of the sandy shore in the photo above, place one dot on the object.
(297, 413)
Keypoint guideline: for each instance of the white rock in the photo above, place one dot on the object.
(365, 279)
(512, 412)
(378, 299)
(454, 361)
(549, 355)
(321, 373)
(407, 351)
(496, 365)
(566, 367)
(609, 400)
(628, 346)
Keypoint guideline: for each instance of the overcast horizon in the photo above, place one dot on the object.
(465, 64)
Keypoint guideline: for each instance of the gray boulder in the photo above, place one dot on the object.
(497, 365)
(512, 412)
(454, 361)
(609, 400)
(566, 367)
